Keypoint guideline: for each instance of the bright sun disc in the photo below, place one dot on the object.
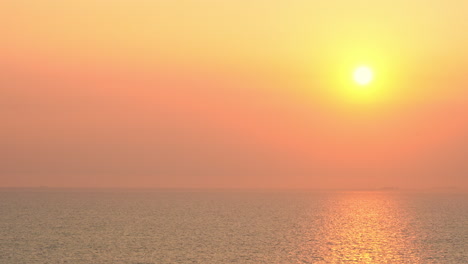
(363, 75)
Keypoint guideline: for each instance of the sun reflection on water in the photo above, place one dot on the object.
(363, 227)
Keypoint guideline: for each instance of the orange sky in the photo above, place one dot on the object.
(229, 94)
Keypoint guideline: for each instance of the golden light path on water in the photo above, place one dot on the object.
(362, 227)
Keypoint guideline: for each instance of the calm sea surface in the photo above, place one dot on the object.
(117, 226)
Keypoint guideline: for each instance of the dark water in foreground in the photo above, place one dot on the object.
(98, 226)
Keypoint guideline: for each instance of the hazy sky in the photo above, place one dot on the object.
(234, 93)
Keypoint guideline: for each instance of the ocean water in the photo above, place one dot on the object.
(155, 226)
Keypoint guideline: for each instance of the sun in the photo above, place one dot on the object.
(363, 75)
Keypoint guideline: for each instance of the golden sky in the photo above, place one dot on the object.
(207, 94)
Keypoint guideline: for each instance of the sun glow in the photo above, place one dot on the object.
(363, 75)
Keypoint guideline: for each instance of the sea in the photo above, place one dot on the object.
(231, 226)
